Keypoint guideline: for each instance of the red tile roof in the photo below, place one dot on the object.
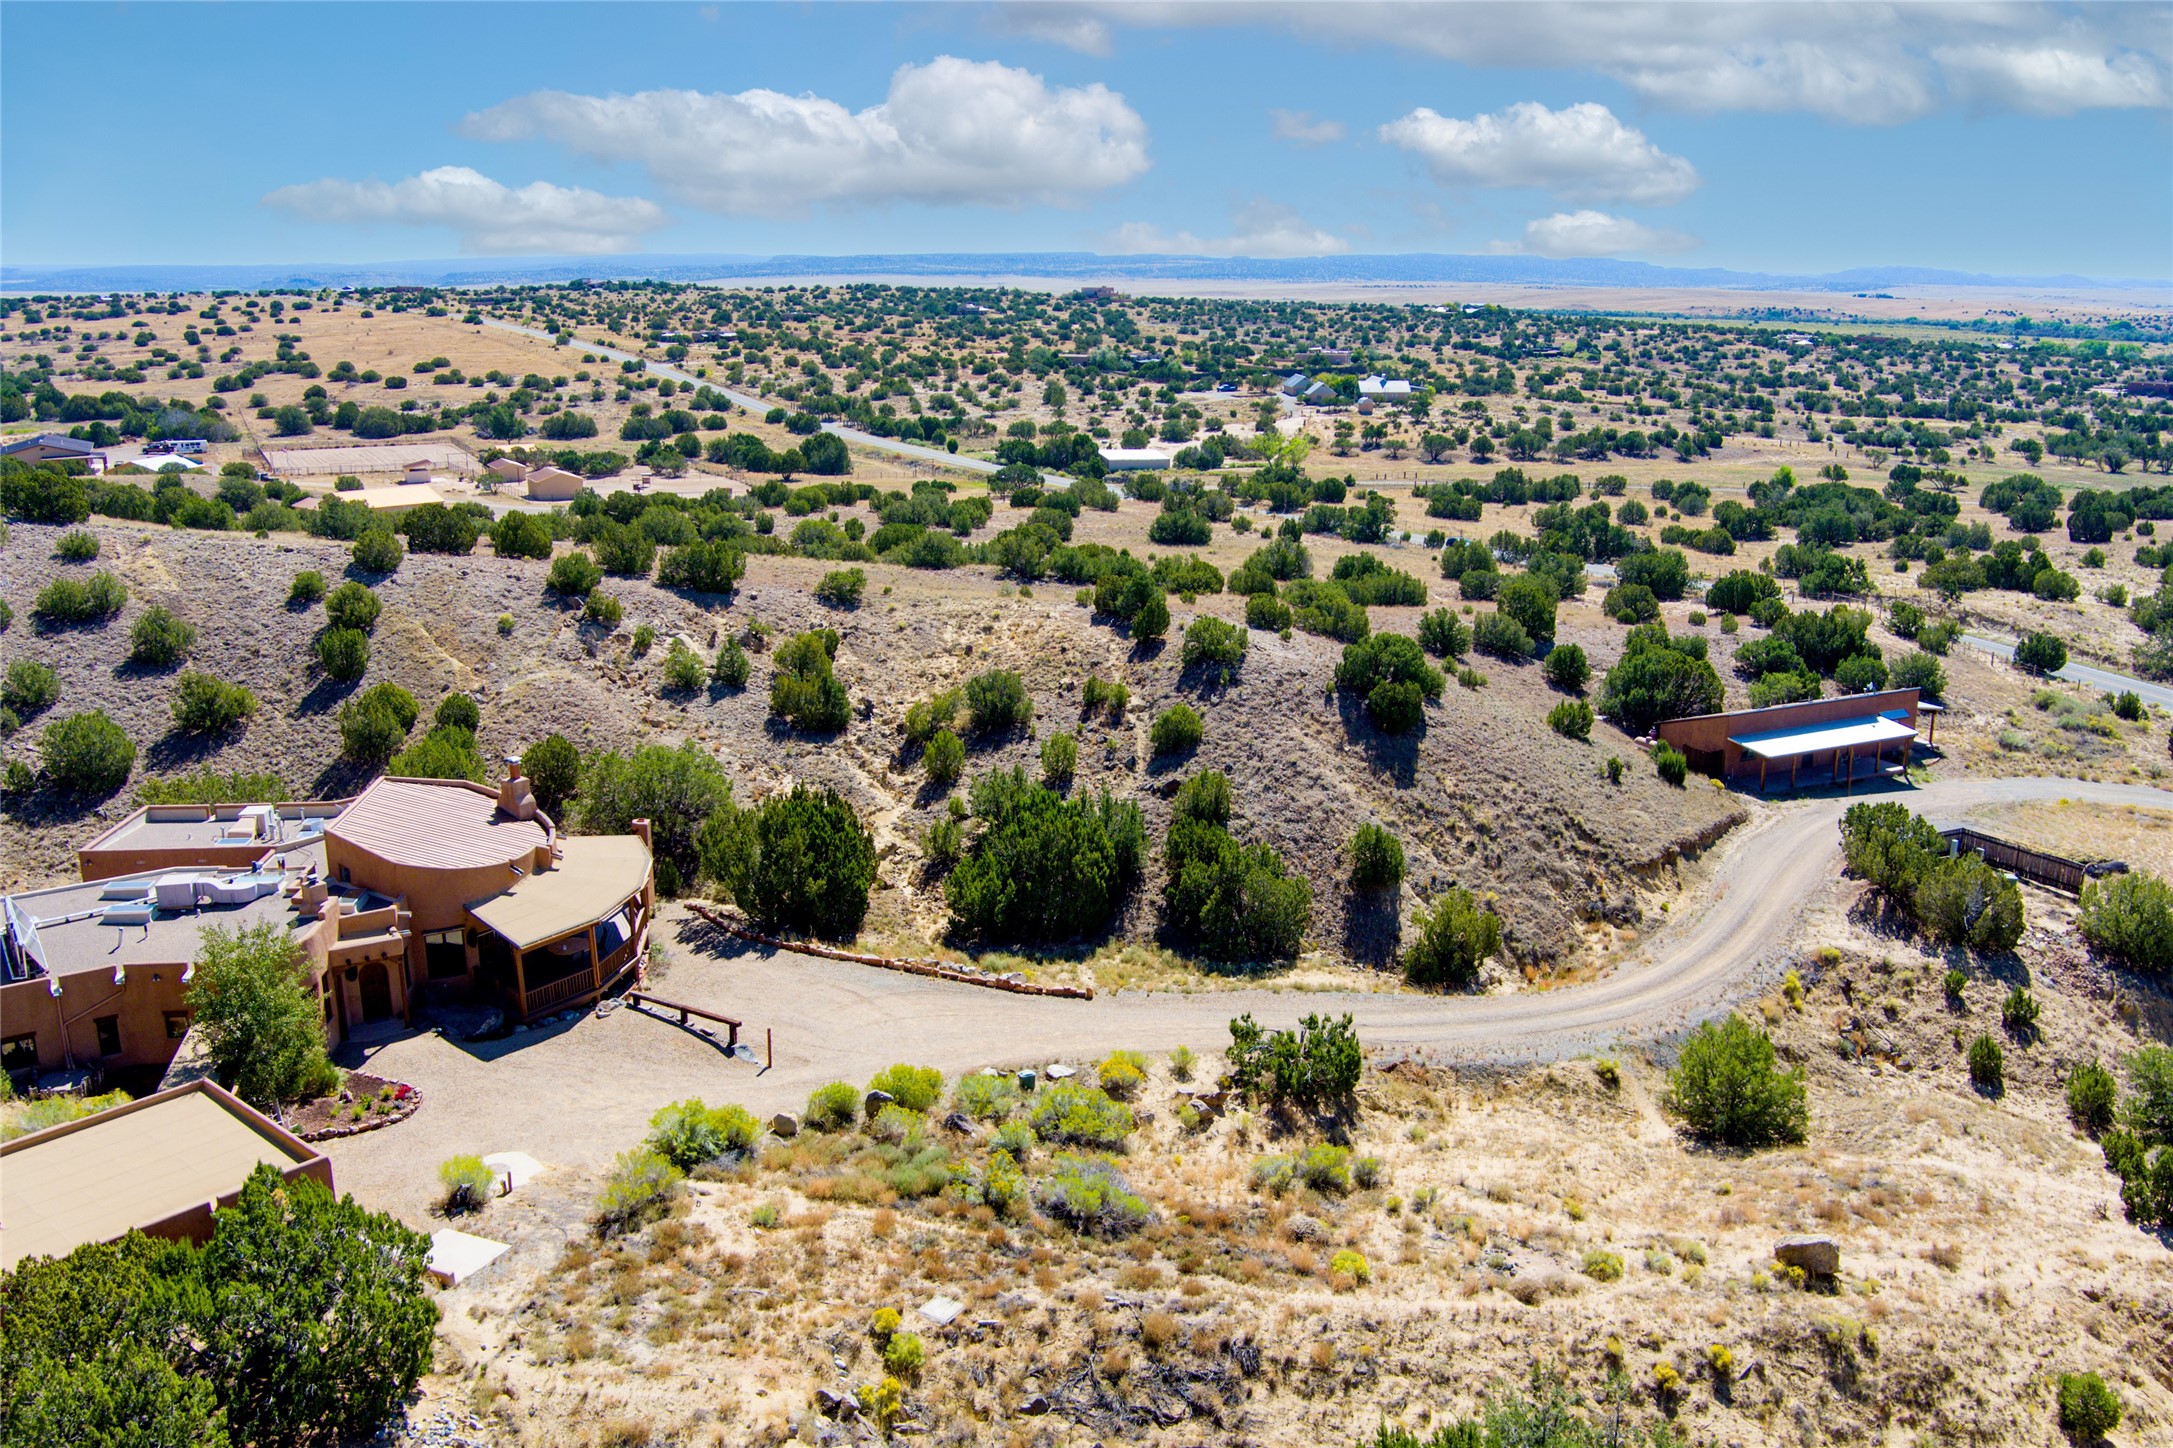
(435, 824)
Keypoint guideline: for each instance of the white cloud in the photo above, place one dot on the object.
(1056, 25)
(1594, 233)
(951, 131)
(490, 218)
(2050, 80)
(1581, 152)
(1301, 128)
(1263, 229)
(1860, 63)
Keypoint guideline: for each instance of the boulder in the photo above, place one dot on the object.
(1034, 1406)
(785, 1124)
(1817, 1256)
(876, 1101)
(961, 1123)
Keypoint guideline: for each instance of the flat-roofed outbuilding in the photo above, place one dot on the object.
(160, 1165)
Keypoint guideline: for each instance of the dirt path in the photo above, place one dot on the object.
(576, 1094)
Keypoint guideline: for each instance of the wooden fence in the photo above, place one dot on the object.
(2036, 866)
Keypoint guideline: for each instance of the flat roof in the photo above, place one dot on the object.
(178, 826)
(74, 940)
(391, 495)
(134, 1166)
(1864, 732)
(596, 876)
(441, 824)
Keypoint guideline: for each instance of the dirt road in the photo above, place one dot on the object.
(575, 1094)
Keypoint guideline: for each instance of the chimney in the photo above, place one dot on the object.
(513, 766)
(516, 797)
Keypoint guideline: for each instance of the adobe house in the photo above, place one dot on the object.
(414, 882)
(554, 485)
(160, 1165)
(1818, 742)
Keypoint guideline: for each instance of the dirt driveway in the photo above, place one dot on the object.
(576, 1094)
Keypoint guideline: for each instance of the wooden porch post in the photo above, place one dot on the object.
(596, 963)
(520, 979)
(1761, 776)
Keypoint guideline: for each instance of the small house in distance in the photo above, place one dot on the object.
(1134, 459)
(160, 1165)
(506, 470)
(1820, 743)
(1386, 388)
(54, 447)
(554, 485)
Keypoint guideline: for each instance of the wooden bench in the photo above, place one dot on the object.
(644, 998)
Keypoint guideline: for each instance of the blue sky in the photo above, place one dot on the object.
(2028, 139)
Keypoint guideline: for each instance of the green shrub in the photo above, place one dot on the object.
(683, 671)
(1603, 1266)
(205, 704)
(1376, 858)
(2150, 1108)
(1366, 1173)
(2041, 653)
(1451, 940)
(997, 701)
(731, 667)
(307, 588)
(1498, 634)
(797, 862)
(520, 535)
(1079, 1115)
(69, 601)
(1015, 1137)
(644, 638)
(1919, 671)
(159, 640)
(1671, 763)
(1567, 668)
(2091, 1096)
(468, 1184)
(641, 1188)
(1442, 634)
(603, 609)
(343, 653)
(446, 752)
(904, 1354)
(1964, 901)
(28, 687)
(1326, 1168)
(804, 690)
(1100, 693)
(1572, 719)
(1089, 1195)
(984, 1097)
(2019, 1012)
(374, 724)
(77, 546)
(1122, 1073)
(1987, 1064)
(1726, 1086)
(2130, 918)
(256, 1013)
(1002, 1186)
(2088, 1409)
(1211, 643)
(352, 606)
(1176, 729)
(1266, 612)
(944, 757)
(689, 1132)
(87, 753)
(832, 1107)
(378, 550)
(1230, 901)
(916, 1088)
(574, 575)
(1315, 1066)
(842, 588)
(1059, 759)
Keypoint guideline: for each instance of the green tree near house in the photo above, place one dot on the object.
(258, 1015)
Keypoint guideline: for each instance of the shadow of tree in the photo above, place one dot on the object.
(179, 750)
(1373, 927)
(1394, 755)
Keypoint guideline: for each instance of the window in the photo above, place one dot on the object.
(177, 1024)
(19, 1053)
(109, 1035)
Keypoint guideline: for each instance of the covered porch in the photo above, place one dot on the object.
(1839, 752)
(566, 935)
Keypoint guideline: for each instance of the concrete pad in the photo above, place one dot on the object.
(941, 1310)
(516, 1169)
(456, 1256)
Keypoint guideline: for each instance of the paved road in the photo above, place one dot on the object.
(2150, 693)
(576, 1094)
(757, 404)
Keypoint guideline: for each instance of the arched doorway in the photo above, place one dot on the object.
(376, 991)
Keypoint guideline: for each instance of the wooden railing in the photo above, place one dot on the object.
(2055, 871)
(558, 992)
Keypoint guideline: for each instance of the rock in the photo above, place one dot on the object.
(876, 1101)
(961, 1123)
(834, 1404)
(1818, 1256)
(785, 1124)
(1060, 1071)
(1034, 1406)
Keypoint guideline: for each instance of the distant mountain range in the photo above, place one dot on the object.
(1416, 268)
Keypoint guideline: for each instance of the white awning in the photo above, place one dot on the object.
(1868, 732)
